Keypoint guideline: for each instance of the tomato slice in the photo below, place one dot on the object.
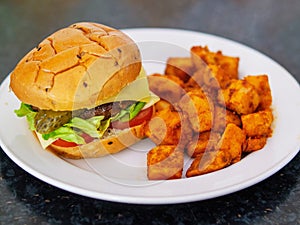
(63, 143)
(144, 115)
(66, 144)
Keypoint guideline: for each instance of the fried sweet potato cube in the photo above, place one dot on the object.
(162, 105)
(168, 87)
(255, 143)
(164, 128)
(198, 110)
(202, 142)
(228, 63)
(202, 55)
(192, 83)
(182, 67)
(208, 162)
(262, 86)
(258, 123)
(240, 96)
(164, 162)
(221, 76)
(212, 76)
(222, 117)
(227, 151)
(232, 141)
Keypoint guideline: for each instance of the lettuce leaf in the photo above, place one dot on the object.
(26, 110)
(89, 126)
(65, 133)
(130, 112)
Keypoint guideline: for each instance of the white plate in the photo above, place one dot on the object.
(122, 177)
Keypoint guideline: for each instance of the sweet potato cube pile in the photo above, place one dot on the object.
(206, 112)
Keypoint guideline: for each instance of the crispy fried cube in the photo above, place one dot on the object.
(212, 76)
(208, 162)
(262, 86)
(240, 96)
(255, 143)
(164, 162)
(202, 142)
(228, 63)
(220, 75)
(222, 117)
(258, 123)
(227, 151)
(198, 110)
(168, 87)
(195, 82)
(232, 141)
(162, 105)
(182, 67)
(164, 128)
(224, 68)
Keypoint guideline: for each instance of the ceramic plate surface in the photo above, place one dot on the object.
(122, 177)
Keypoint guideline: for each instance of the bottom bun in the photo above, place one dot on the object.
(111, 144)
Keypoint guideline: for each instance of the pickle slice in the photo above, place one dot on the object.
(46, 121)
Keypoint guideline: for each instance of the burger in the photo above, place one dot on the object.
(83, 91)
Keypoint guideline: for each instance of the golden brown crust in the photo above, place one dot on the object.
(110, 145)
(76, 67)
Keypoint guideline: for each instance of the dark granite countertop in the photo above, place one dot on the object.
(270, 26)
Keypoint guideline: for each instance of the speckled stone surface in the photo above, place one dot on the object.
(272, 27)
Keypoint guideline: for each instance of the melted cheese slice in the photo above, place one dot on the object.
(44, 143)
(138, 90)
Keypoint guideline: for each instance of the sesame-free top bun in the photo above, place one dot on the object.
(76, 67)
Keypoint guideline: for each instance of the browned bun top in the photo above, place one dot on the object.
(76, 67)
